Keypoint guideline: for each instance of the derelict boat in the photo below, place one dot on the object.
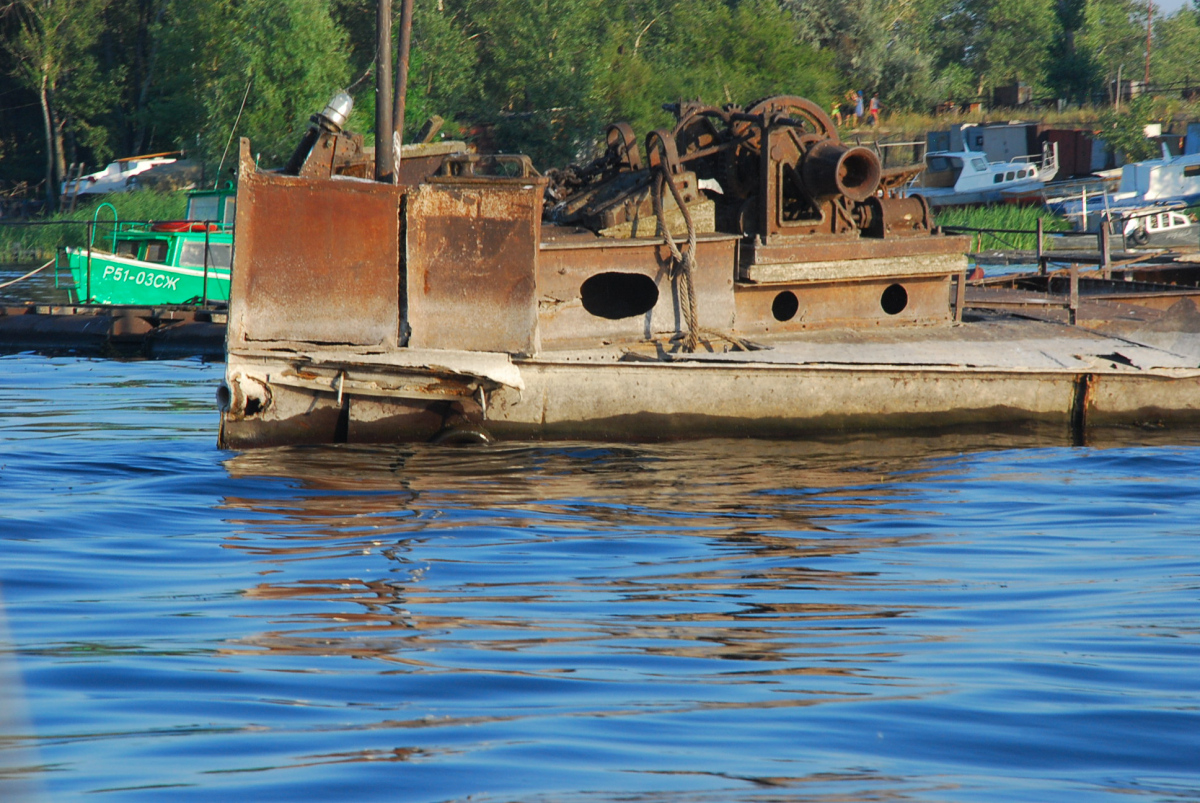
(744, 273)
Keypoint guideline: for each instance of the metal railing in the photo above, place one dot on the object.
(89, 229)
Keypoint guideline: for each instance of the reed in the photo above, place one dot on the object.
(38, 239)
(1002, 216)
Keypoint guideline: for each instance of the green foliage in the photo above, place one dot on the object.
(538, 76)
(546, 76)
(1124, 130)
(1010, 217)
(285, 57)
(65, 229)
(1113, 36)
(1014, 41)
(1176, 54)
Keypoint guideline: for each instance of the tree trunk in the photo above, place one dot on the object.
(57, 124)
(51, 184)
(139, 136)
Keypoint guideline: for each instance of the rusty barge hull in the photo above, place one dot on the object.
(325, 397)
(803, 298)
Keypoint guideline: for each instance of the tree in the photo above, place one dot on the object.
(1113, 36)
(263, 66)
(51, 49)
(1176, 54)
(1014, 41)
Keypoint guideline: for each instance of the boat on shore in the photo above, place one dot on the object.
(120, 175)
(959, 178)
(160, 263)
(1151, 228)
(1155, 184)
(743, 273)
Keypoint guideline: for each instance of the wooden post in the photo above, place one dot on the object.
(385, 166)
(1105, 250)
(1041, 241)
(406, 14)
(1073, 301)
(960, 296)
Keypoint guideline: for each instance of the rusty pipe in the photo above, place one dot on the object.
(385, 164)
(830, 169)
(890, 217)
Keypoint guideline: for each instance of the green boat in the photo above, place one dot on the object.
(160, 263)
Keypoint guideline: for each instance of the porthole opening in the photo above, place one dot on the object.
(894, 299)
(618, 295)
(785, 306)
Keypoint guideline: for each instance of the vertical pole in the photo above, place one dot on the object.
(960, 296)
(1073, 302)
(384, 154)
(204, 286)
(406, 14)
(88, 300)
(1105, 250)
(1041, 239)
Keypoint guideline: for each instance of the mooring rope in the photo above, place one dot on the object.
(27, 275)
(682, 264)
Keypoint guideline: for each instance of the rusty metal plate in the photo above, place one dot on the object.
(315, 260)
(821, 249)
(472, 264)
(776, 308)
(565, 318)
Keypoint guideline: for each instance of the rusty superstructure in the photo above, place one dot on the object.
(744, 272)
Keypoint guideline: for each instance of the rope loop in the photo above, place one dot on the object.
(683, 262)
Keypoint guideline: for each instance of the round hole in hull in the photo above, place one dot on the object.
(894, 299)
(615, 295)
(785, 306)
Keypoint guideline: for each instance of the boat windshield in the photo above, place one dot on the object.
(191, 255)
(156, 251)
(942, 171)
(204, 207)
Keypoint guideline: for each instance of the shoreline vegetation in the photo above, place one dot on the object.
(86, 81)
(39, 241)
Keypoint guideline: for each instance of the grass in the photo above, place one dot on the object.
(1002, 216)
(39, 239)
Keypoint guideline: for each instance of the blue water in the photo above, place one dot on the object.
(972, 619)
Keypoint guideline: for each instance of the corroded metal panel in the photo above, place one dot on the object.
(564, 269)
(472, 264)
(316, 260)
(796, 306)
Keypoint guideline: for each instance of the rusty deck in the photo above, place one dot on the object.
(467, 306)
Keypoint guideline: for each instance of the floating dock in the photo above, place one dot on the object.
(172, 332)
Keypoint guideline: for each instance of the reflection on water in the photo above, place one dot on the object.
(42, 287)
(690, 551)
(19, 765)
(944, 619)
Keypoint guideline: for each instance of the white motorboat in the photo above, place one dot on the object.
(118, 176)
(1170, 181)
(954, 178)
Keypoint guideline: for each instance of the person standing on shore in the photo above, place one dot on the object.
(873, 111)
(858, 107)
